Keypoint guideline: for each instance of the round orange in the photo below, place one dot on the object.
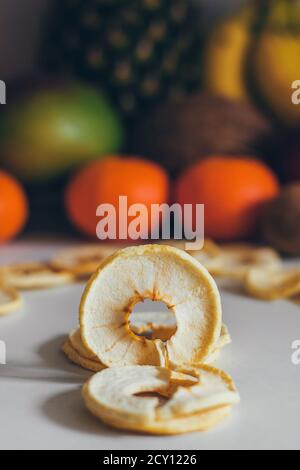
(233, 191)
(13, 207)
(102, 182)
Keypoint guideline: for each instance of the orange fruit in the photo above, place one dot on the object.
(102, 182)
(233, 190)
(13, 207)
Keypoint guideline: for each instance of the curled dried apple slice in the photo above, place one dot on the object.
(155, 272)
(223, 341)
(10, 300)
(277, 284)
(31, 276)
(234, 261)
(73, 355)
(190, 402)
(77, 344)
(83, 260)
(214, 388)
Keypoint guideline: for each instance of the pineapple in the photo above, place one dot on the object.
(139, 51)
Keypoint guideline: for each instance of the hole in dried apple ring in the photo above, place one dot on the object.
(153, 320)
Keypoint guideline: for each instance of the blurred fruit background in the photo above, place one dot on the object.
(160, 100)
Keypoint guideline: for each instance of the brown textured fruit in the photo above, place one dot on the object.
(281, 224)
(180, 133)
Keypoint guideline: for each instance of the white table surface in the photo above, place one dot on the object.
(40, 401)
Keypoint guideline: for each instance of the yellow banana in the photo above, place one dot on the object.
(225, 57)
(276, 65)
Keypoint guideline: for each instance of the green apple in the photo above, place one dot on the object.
(54, 130)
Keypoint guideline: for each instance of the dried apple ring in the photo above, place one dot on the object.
(195, 402)
(214, 388)
(76, 351)
(73, 355)
(234, 261)
(83, 260)
(160, 273)
(34, 275)
(277, 284)
(77, 344)
(10, 300)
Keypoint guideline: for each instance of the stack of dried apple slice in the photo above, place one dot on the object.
(197, 396)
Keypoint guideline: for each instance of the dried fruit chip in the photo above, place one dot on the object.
(10, 300)
(35, 275)
(214, 388)
(234, 261)
(111, 395)
(76, 351)
(155, 272)
(77, 344)
(83, 260)
(76, 358)
(272, 284)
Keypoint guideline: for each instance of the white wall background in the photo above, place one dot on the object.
(20, 22)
